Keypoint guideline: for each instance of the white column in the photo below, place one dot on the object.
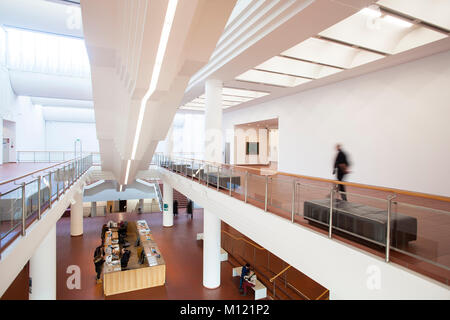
(43, 269)
(76, 215)
(211, 250)
(213, 121)
(167, 205)
(213, 153)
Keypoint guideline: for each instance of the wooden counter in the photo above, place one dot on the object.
(137, 276)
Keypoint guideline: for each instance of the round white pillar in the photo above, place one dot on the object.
(76, 215)
(213, 121)
(43, 269)
(211, 250)
(167, 205)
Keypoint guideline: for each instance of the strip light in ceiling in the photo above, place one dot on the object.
(128, 171)
(120, 190)
(168, 20)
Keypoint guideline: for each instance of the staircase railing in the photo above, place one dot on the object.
(255, 246)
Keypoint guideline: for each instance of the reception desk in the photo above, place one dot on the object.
(151, 273)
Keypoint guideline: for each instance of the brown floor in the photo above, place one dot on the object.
(182, 252)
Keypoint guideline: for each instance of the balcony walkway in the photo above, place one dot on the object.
(433, 240)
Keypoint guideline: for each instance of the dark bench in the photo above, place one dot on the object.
(362, 220)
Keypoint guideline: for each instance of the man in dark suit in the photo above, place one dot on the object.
(341, 169)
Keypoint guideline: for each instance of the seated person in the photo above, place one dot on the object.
(125, 257)
(249, 282)
(244, 272)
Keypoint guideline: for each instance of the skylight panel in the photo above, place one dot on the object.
(235, 98)
(243, 92)
(331, 53)
(271, 78)
(372, 29)
(296, 68)
(436, 12)
(195, 104)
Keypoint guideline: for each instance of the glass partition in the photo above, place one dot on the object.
(37, 194)
(10, 211)
(395, 225)
(31, 198)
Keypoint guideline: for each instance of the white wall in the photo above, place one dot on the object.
(393, 124)
(28, 118)
(273, 145)
(60, 136)
(30, 128)
(244, 135)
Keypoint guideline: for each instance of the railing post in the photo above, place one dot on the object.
(50, 188)
(34, 156)
(293, 201)
(192, 170)
(24, 209)
(64, 179)
(39, 198)
(330, 227)
(267, 189)
(231, 175)
(388, 226)
(246, 186)
(58, 176)
(207, 175)
(218, 178)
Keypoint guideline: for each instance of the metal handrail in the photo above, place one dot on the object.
(333, 191)
(345, 183)
(245, 240)
(83, 164)
(323, 293)
(280, 273)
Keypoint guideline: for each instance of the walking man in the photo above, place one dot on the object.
(341, 169)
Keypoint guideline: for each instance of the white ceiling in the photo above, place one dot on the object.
(42, 15)
(352, 38)
(60, 96)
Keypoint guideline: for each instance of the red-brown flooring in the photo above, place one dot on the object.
(11, 170)
(182, 252)
(430, 244)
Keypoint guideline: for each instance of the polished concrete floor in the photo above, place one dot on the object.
(179, 246)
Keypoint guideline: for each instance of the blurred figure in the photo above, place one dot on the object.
(341, 169)
(175, 208)
(189, 208)
(99, 259)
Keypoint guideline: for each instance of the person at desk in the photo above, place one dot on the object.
(244, 272)
(249, 282)
(125, 257)
(99, 259)
(104, 229)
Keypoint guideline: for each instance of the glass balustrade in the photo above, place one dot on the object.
(30, 196)
(400, 226)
